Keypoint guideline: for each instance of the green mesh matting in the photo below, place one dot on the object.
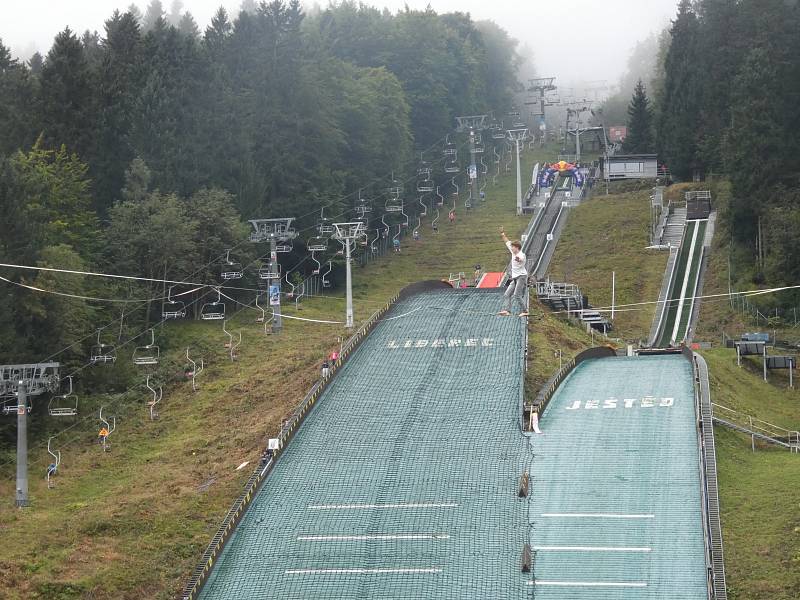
(616, 505)
(402, 481)
(674, 296)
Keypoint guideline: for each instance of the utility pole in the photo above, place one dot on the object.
(472, 124)
(279, 233)
(347, 234)
(21, 381)
(518, 136)
(613, 292)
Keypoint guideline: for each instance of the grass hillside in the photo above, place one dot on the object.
(610, 233)
(131, 523)
(760, 511)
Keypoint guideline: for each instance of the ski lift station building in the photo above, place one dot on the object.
(630, 166)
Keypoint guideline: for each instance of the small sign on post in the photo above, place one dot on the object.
(274, 444)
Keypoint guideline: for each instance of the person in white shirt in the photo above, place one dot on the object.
(518, 281)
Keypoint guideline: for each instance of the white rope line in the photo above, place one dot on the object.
(92, 298)
(746, 293)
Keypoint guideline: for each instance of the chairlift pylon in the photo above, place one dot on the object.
(64, 405)
(147, 354)
(213, 311)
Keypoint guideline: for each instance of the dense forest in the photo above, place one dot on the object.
(143, 149)
(724, 84)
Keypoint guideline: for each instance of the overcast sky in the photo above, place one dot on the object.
(574, 40)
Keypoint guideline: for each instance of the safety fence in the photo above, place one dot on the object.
(256, 479)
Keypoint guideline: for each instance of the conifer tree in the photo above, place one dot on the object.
(640, 122)
(679, 116)
(66, 105)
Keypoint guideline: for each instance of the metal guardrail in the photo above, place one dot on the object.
(256, 479)
(715, 564)
(663, 297)
(757, 428)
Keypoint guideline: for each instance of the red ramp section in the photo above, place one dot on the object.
(490, 280)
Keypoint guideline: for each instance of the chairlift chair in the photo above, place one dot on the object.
(425, 185)
(213, 311)
(230, 345)
(289, 294)
(452, 166)
(325, 226)
(284, 246)
(393, 205)
(439, 197)
(235, 345)
(326, 283)
(173, 309)
(263, 317)
(450, 149)
(318, 265)
(424, 211)
(157, 396)
(52, 468)
(64, 405)
(147, 354)
(385, 232)
(497, 132)
(110, 427)
(270, 271)
(194, 370)
(231, 269)
(373, 244)
(102, 354)
(478, 144)
(317, 243)
(363, 204)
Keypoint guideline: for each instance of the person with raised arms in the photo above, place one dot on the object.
(518, 278)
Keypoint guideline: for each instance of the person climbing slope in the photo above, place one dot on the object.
(518, 280)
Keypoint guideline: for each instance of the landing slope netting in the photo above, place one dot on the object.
(401, 483)
(616, 503)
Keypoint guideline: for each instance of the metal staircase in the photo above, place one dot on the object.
(673, 232)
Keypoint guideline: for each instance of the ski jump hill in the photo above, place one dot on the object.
(408, 473)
